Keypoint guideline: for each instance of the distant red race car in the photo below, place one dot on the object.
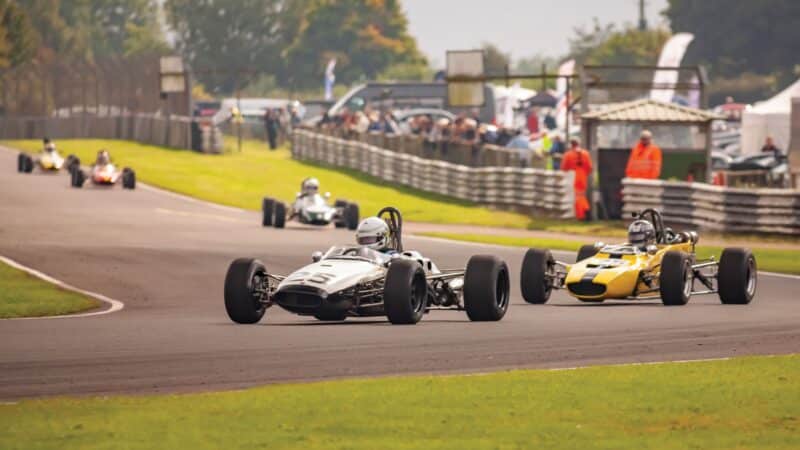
(105, 174)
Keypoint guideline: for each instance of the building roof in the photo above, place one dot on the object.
(647, 110)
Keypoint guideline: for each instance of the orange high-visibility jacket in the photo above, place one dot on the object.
(644, 162)
(579, 161)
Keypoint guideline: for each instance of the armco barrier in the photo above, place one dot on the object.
(174, 131)
(532, 190)
(717, 208)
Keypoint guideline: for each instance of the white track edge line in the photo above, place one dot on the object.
(115, 305)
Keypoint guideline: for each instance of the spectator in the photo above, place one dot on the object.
(769, 147)
(645, 159)
(557, 151)
(533, 123)
(578, 160)
(271, 124)
(522, 143)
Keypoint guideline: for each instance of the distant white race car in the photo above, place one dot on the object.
(311, 208)
(355, 281)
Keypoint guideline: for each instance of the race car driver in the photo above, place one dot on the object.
(309, 187)
(103, 158)
(641, 234)
(374, 233)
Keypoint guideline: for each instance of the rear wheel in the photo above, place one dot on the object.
(737, 277)
(676, 279)
(586, 252)
(77, 178)
(128, 178)
(279, 219)
(536, 278)
(405, 292)
(28, 164)
(351, 216)
(267, 210)
(486, 288)
(244, 279)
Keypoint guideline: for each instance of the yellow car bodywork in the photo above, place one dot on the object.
(50, 162)
(609, 275)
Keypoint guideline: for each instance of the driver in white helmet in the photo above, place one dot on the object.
(641, 234)
(309, 187)
(374, 233)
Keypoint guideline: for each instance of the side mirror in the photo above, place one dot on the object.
(652, 249)
(599, 245)
(316, 256)
(327, 195)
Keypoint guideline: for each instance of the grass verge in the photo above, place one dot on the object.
(769, 259)
(22, 295)
(740, 403)
(243, 179)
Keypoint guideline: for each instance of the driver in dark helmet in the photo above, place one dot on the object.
(641, 233)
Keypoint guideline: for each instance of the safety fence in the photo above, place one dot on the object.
(171, 131)
(717, 208)
(452, 151)
(529, 190)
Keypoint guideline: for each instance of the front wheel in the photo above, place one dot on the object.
(128, 178)
(676, 279)
(280, 215)
(536, 278)
(405, 292)
(244, 284)
(267, 210)
(737, 276)
(486, 288)
(71, 163)
(77, 178)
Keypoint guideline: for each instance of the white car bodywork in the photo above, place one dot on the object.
(313, 208)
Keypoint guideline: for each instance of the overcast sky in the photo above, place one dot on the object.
(521, 27)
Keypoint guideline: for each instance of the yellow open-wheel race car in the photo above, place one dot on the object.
(656, 262)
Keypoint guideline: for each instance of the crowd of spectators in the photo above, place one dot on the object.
(535, 142)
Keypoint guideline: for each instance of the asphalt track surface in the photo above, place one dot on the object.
(165, 257)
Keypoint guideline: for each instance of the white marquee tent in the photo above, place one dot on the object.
(769, 118)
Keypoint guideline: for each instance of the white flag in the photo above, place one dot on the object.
(566, 68)
(671, 56)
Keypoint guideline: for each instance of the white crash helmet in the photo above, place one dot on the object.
(310, 186)
(373, 232)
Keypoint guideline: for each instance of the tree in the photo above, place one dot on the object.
(631, 46)
(228, 42)
(18, 39)
(364, 36)
(495, 61)
(747, 36)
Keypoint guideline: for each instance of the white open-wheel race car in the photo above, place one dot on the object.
(357, 281)
(103, 173)
(311, 208)
(656, 262)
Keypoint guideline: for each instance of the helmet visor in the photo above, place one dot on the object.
(368, 240)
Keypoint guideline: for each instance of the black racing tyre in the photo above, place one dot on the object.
(737, 276)
(128, 178)
(21, 162)
(241, 301)
(267, 211)
(351, 216)
(487, 289)
(405, 292)
(534, 281)
(28, 164)
(676, 279)
(77, 178)
(331, 316)
(71, 163)
(586, 252)
(280, 215)
(341, 206)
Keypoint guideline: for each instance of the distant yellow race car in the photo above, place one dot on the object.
(47, 161)
(656, 262)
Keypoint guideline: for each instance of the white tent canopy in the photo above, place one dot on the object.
(769, 118)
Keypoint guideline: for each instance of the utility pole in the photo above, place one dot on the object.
(642, 18)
